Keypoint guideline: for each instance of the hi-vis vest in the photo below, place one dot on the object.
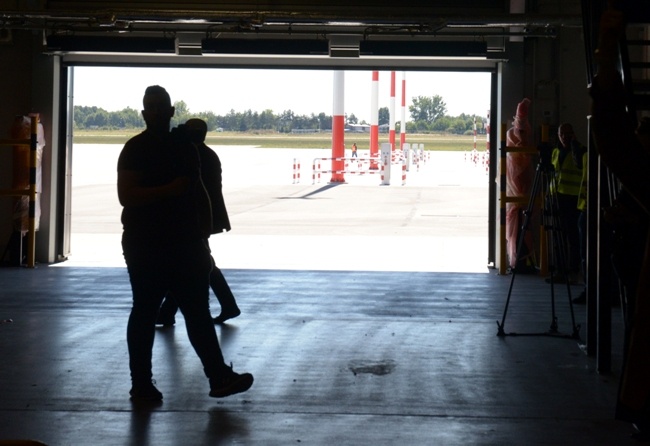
(567, 177)
(582, 196)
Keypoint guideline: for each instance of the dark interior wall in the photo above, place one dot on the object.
(571, 75)
(551, 71)
(16, 77)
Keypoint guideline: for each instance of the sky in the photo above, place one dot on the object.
(220, 90)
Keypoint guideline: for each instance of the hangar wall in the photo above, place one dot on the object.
(550, 71)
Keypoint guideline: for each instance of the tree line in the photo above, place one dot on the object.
(428, 114)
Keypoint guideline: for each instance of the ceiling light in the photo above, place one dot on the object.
(344, 45)
(189, 44)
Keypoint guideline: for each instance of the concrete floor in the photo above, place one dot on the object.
(339, 357)
(369, 317)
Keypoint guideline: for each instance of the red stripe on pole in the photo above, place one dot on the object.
(338, 148)
(374, 119)
(338, 128)
(402, 137)
(391, 134)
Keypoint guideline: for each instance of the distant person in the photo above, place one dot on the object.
(354, 150)
(197, 130)
(567, 160)
(164, 244)
(582, 229)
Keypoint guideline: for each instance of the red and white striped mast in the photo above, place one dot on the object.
(391, 133)
(374, 119)
(338, 128)
(402, 127)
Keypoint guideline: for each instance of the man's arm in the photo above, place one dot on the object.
(132, 194)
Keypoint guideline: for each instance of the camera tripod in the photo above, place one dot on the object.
(545, 181)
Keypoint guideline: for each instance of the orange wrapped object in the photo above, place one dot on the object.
(519, 175)
(21, 129)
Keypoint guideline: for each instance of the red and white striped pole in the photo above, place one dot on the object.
(374, 120)
(391, 134)
(402, 127)
(474, 132)
(487, 133)
(487, 143)
(338, 128)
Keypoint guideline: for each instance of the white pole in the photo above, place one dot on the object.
(386, 154)
(402, 127)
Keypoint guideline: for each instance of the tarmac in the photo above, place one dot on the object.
(436, 219)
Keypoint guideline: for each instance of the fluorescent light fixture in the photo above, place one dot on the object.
(189, 44)
(344, 45)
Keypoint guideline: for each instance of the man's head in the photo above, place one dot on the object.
(566, 135)
(157, 108)
(197, 129)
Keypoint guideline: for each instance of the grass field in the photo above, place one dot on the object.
(446, 142)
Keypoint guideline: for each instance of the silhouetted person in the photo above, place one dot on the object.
(567, 160)
(196, 130)
(164, 244)
(582, 229)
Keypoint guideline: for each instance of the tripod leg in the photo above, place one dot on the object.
(559, 250)
(520, 241)
(554, 252)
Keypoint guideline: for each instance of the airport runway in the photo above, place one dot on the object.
(436, 221)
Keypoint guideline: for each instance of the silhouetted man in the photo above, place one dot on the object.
(196, 130)
(164, 244)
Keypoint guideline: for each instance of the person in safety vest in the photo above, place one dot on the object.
(582, 229)
(567, 161)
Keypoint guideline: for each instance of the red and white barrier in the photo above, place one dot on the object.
(386, 152)
(363, 165)
(352, 166)
(407, 154)
(316, 170)
(296, 171)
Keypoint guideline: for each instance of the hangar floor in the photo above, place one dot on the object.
(366, 319)
(339, 357)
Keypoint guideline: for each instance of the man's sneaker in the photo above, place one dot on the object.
(225, 315)
(146, 392)
(230, 383)
(165, 321)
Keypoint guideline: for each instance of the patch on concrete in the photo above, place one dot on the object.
(383, 367)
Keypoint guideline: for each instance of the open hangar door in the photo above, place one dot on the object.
(78, 66)
(319, 44)
(411, 35)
